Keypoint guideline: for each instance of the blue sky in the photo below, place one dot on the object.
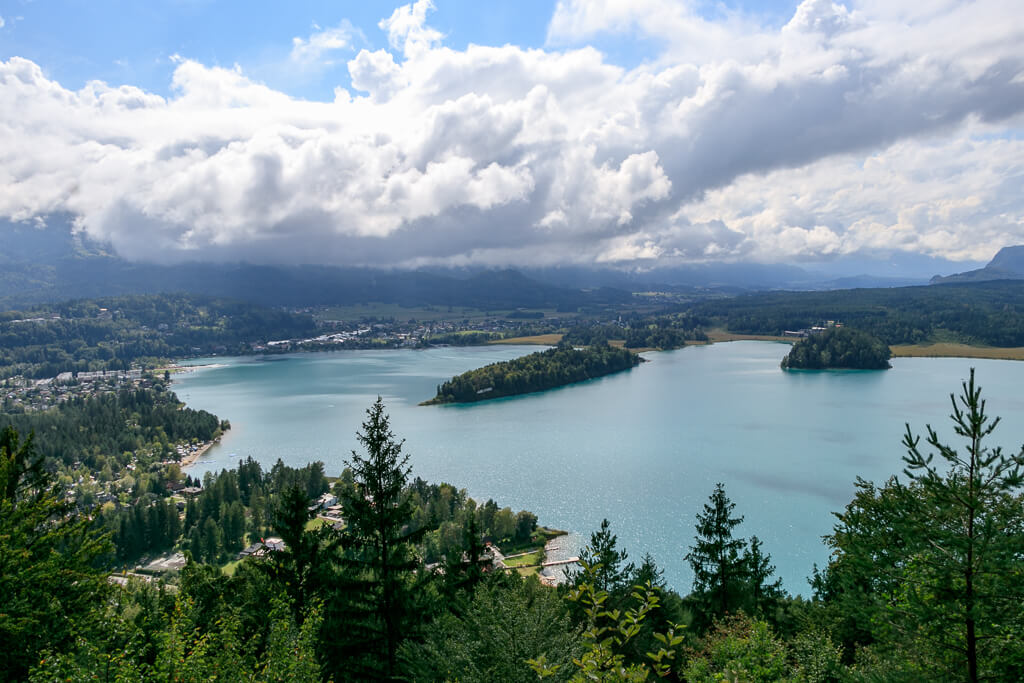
(133, 42)
(625, 133)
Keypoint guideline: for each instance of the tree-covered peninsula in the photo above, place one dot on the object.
(838, 347)
(538, 371)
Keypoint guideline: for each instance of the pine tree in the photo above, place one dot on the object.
(50, 584)
(978, 541)
(379, 547)
(611, 573)
(719, 570)
(764, 593)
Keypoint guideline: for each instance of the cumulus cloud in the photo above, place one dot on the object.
(848, 130)
(321, 45)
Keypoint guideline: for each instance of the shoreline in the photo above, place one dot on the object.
(934, 350)
(192, 457)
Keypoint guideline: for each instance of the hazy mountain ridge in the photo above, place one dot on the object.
(1007, 264)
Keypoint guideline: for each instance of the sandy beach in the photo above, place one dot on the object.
(191, 458)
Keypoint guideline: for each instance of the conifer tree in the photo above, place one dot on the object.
(51, 585)
(379, 555)
(610, 571)
(719, 570)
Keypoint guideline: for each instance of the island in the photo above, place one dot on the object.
(554, 367)
(838, 347)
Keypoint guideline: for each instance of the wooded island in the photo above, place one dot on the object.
(538, 371)
(838, 347)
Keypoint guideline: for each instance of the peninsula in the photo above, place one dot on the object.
(538, 371)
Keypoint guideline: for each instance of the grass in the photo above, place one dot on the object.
(315, 523)
(528, 560)
(953, 350)
(230, 567)
(719, 335)
(540, 339)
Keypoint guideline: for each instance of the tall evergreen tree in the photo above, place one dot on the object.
(719, 570)
(934, 568)
(763, 593)
(611, 571)
(378, 545)
(51, 584)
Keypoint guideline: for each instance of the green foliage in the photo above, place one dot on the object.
(838, 347)
(989, 313)
(608, 568)
(608, 634)
(379, 547)
(739, 649)
(931, 572)
(728, 574)
(637, 331)
(716, 558)
(538, 371)
(112, 424)
(111, 333)
(51, 580)
(507, 621)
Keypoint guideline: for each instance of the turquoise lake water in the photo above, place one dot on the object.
(643, 448)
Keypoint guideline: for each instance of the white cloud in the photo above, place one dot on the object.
(320, 47)
(849, 130)
(2, 22)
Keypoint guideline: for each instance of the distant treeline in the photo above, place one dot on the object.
(987, 313)
(104, 431)
(669, 331)
(111, 334)
(535, 372)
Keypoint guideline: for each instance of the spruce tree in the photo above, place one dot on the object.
(719, 569)
(51, 584)
(378, 555)
(611, 573)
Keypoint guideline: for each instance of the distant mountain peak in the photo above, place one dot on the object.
(1007, 264)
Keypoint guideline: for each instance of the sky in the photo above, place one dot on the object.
(625, 133)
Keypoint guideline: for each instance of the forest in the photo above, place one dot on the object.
(982, 313)
(554, 367)
(663, 332)
(105, 431)
(903, 598)
(838, 347)
(115, 333)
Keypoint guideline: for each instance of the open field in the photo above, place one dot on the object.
(525, 560)
(540, 339)
(400, 313)
(950, 350)
(715, 336)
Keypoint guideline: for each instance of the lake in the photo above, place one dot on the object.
(643, 448)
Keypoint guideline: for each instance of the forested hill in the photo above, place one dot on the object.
(535, 372)
(111, 334)
(987, 313)
(838, 347)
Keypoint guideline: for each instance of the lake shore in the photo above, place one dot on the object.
(949, 350)
(192, 457)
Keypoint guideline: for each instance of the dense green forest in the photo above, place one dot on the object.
(106, 432)
(113, 333)
(838, 347)
(664, 332)
(986, 313)
(538, 371)
(923, 583)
